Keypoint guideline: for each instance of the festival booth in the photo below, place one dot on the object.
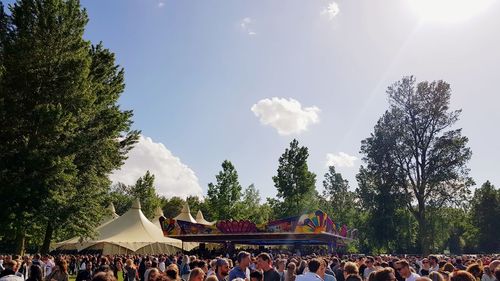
(130, 233)
(315, 228)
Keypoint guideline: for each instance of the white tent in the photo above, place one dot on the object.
(158, 215)
(185, 215)
(130, 233)
(111, 216)
(201, 220)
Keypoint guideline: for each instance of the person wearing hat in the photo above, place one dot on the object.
(221, 269)
(241, 271)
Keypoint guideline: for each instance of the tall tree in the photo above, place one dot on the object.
(145, 190)
(62, 132)
(250, 207)
(337, 200)
(225, 193)
(485, 214)
(427, 157)
(294, 182)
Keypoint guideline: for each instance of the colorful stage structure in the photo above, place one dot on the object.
(315, 228)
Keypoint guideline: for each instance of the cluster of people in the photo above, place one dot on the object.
(246, 266)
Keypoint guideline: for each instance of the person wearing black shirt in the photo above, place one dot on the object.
(265, 264)
(86, 274)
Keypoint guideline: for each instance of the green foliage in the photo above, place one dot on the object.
(423, 158)
(223, 196)
(123, 196)
(337, 201)
(59, 121)
(485, 214)
(249, 208)
(295, 183)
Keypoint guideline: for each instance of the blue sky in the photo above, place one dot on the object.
(194, 69)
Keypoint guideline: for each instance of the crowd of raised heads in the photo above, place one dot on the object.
(244, 266)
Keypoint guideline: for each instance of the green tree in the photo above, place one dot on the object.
(485, 211)
(427, 158)
(223, 196)
(250, 207)
(172, 206)
(59, 121)
(337, 201)
(294, 182)
(144, 189)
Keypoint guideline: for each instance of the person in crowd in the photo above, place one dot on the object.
(59, 271)
(184, 268)
(213, 264)
(302, 267)
(103, 265)
(350, 268)
(436, 276)
(211, 278)
(152, 274)
(265, 263)
(424, 268)
(85, 275)
(354, 277)
(497, 273)
(221, 269)
(290, 272)
(324, 274)
(403, 267)
(172, 273)
(241, 271)
(255, 276)
(370, 267)
(130, 270)
(448, 267)
(487, 274)
(476, 271)
(204, 266)
(462, 275)
(316, 270)
(35, 273)
(196, 274)
(9, 272)
(433, 263)
(384, 274)
(280, 267)
(459, 265)
(118, 271)
(339, 272)
(161, 264)
(104, 276)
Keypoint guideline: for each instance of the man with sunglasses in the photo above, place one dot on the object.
(403, 267)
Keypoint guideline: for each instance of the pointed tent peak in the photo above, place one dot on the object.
(136, 204)
(185, 214)
(111, 208)
(158, 212)
(199, 215)
(201, 220)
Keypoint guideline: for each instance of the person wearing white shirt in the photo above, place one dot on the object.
(403, 267)
(316, 268)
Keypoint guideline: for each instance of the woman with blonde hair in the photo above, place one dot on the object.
(60, 273)
(130, 271)
(290, 272)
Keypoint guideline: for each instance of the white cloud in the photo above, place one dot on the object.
(331, 10)
(161, 4)
(285, 115)
(172, 177)
(246, 25)
(340, 160)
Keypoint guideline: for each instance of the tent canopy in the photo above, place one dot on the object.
(131, 232)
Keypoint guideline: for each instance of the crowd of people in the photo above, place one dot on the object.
(246, 266)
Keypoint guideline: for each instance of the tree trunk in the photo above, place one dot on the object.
(21, 243)
(46, 240)
(422, 235)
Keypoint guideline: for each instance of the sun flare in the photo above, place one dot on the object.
(449, 10)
